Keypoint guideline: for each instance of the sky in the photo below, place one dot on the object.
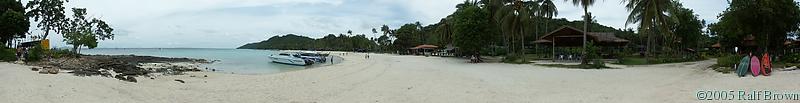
(232, 23)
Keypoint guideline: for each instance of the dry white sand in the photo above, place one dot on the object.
(390, 78)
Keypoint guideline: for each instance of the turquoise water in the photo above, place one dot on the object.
(238, 61)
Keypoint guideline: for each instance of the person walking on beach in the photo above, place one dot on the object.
(19, 54)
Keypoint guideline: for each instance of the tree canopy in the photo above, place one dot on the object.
(48, 13)
(80, 31)
(13, 22)
(769, 21)
(472, 25)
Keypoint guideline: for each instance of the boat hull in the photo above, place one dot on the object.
(290, 61)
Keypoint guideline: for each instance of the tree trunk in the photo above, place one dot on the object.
(585, 30)
(648, 50)
(46, 32)
(522, 39)
(75, 48)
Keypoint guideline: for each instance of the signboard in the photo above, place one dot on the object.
(45, 44)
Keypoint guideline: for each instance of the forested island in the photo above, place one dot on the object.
(412, 34)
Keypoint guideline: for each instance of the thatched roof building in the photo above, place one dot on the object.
(567, 36)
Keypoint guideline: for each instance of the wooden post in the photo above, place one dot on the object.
(554, 48)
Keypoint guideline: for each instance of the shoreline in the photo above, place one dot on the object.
(394, 78)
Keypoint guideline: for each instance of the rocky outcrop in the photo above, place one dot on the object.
(122, 67)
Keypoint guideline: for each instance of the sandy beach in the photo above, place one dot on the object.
(397, 79)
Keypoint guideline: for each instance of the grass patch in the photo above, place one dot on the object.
(655, 60)
(728, 60)
(724, 70)
(633, 61)
(515, 59)
(575, 66)
(725, 63)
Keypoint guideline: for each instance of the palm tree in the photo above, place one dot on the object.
(443, 31)
(548, 10)
(385, 29)
(349, 32)
(651, 16)
(511, 16)
(585, 4)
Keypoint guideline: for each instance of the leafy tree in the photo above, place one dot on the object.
(686, 26)
(384, 42)
(472, 28)
(406, 36)
(48, 13)
(13, 23)
(769, 21)
(81, 31)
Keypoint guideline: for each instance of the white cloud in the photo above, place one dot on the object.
(230, 23)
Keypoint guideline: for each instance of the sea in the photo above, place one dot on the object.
(236, 61)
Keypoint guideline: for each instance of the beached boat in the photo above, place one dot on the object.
(766, 65)
(316, 57)
(755, 66)
(291, 58)
(743, 66)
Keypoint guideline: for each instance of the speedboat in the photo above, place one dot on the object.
(313, 56)
(291, 58)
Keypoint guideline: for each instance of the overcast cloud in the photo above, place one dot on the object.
(231, 23)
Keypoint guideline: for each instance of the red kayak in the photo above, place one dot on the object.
(766, 65)
(755, 65)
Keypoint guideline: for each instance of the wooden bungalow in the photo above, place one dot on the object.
(792, 45)
(424, 49)
(567, 36)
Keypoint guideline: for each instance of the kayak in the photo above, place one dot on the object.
(755, 65)
(766, 65)
(743, 66)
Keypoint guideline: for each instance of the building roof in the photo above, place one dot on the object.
(570, 36)
(425, 46)
(717, 45)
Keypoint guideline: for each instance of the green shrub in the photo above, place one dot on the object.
(34, 54)
(597, 64)
(60, 53)
(632, 61)
(8, 54)
(728, 60)
(515, 59)
(494, 51)
(793, 58)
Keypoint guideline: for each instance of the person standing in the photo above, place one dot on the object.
(19, 54)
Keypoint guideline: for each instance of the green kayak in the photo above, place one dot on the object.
(743, 67)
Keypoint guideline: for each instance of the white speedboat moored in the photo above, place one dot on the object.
(316, 57)
(290, 58)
